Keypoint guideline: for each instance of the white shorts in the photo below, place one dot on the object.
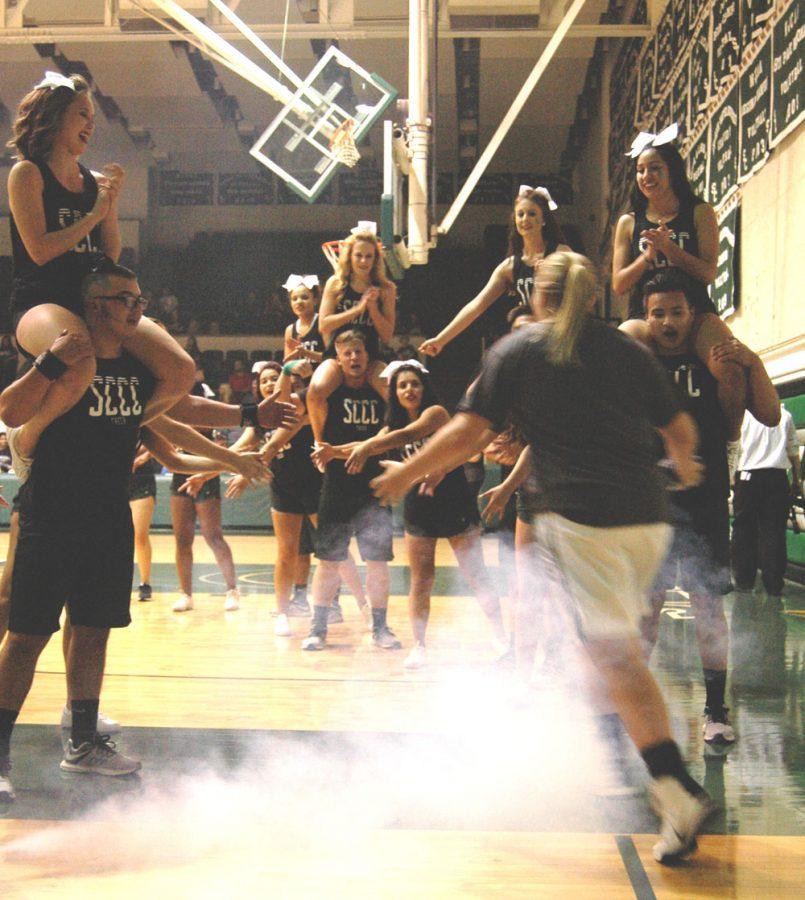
(607, 572)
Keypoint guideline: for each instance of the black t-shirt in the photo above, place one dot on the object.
(80, 474)
(363, 323)
(353, 414)
(683, 233)
(697, 391)
(590, 426)
(57, 281)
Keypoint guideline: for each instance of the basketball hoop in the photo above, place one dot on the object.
(332, 250)
(342, 143)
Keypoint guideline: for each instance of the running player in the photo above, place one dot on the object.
(75, 545)
(359, 296)
(587, 402)
(534, 234)
(669, 226)
(700, 514)
(63, 219)
(355, 412)
(449, 511)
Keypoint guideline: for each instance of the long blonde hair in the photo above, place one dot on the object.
(39, 117)
(570, 277)
(377, 275)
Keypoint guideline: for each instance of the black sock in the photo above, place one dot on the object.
(378, 619)
(320, 614)
(85, 721)
(715, 684)
(7, 719)
(665, 759)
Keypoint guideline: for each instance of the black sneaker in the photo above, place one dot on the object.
(335, 614)
(385, 639)
(145, 592)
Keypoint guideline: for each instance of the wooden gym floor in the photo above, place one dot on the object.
(269, 771)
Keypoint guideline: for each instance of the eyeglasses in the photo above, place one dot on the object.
(130, 301)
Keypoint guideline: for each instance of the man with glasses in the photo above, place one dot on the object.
(75, 545)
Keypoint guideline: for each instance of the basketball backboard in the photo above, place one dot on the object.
(297, 144)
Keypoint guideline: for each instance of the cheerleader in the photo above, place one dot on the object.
(142, 500)
(303, 338)
(534, 233)
(413, 415)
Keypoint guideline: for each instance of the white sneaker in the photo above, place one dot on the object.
(718, 729)
(417, 658)
(282, 627)
(681, 815)
(6, 789)
(314, 642)
(232, 601)
(183, 604)
(733, 457)
(105, 724)
(99, 757)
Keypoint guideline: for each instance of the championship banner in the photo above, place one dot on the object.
(788, 83)
(724, 143)
(755, 113)
(680, 99)
(700, 91)
(698, 161)
(665, 48)
(726, 40)
(245, 189)
(755, 14)
(724, 290)
(185, 188)
(680, 10)
(646, 81)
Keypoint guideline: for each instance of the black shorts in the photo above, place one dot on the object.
(372, 527)
(295, 499)
(142, 486)
(698, 560)
(88, 571)
(427, 517)
(211, 490)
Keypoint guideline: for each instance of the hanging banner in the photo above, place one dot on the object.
(680, 10)
(680, 100)
(755, 113)
(665, 113)
(724, 290)
(665, 48)
(788, 83)
(185, 188)
(698, 163)
(726, 40)
(245, 189)
(646, 90)
(755, 15)
(700, 92)
(724, 137)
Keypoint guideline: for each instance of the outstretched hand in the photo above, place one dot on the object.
(275, 413)
(431, 347)
(392, 485)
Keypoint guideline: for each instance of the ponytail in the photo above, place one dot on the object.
(571, 276)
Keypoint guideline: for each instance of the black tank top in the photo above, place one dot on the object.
(683, 233)
(697, 391)
(312, 339)
(57, 281)
(292, 467)
(349, 298)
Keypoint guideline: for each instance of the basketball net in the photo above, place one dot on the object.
(342, 143)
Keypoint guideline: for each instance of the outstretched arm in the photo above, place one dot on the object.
(499, 282)
(430, 421)
(681, 438)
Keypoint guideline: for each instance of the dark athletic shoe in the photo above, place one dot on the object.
(144, 590)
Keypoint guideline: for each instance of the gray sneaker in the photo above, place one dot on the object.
(386, 639)
(299, 608)
(335, 615)
(98, 758)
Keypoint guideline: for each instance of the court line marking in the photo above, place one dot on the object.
(350, 680)
(634, 868)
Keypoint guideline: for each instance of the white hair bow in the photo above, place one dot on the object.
(55, 80)
(365, 227)
(646, 139)
(294, 281)
(392, 367)
(542, 191)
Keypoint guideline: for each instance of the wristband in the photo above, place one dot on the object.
(50, 365)
(287, 368)
(248, 415)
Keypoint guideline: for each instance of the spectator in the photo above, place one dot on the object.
(239, 384)
(5, 453)
(168, 309)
